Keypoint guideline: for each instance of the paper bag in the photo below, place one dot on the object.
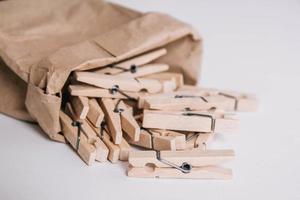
(43, 41)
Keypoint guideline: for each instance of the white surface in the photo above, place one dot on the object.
(250, 46)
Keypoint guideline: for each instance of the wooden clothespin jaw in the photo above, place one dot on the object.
(180, 164)
(194, 121)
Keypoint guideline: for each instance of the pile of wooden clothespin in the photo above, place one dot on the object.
(137, 111)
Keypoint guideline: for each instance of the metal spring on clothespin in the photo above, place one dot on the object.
(184, 168)
(132, 69)
(190, 96)
(231, 97)
(116, 89)
(102, 128)
(78, 124)
(191, 137)
(117, 109)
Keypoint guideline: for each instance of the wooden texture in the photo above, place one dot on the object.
(203, 139)
(175, 103)
(141, 103)
(208, 172)
(128, 122)
(101, 150)
(90, 135)
(81, 106)
(180, 100)
(95, 114)
(227, 100)
(162, 140)
(86, 151)
(204, 164)
(113, 119)
(194, 158)
(179, 121)
(177, 78)
(145, 70)
(124, 83)
(138, 61)
(144, 141)
(125, 149)
(179, 138)
(114, 150)
(91, 91)
(164, 143)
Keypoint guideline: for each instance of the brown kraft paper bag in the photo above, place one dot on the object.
(43, 41)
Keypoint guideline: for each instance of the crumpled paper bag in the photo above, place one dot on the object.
(43, 41)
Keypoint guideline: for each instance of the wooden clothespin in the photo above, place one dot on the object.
(211, 96)
(227, 100)
(119, 117)
(180, 164)
(123, 83)
(95, 92)
(174, 102)
(195, 121)
(128, 64)
(160, 140)
(85, 150)
(89, 135)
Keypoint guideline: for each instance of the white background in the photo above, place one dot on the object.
(251, 46)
